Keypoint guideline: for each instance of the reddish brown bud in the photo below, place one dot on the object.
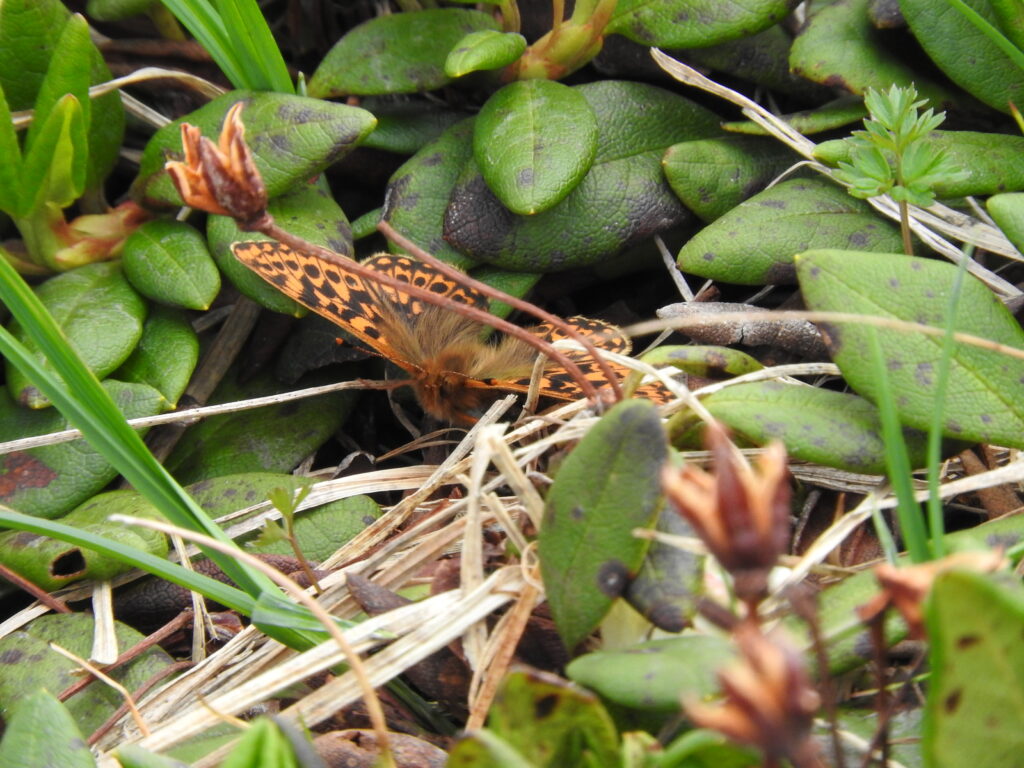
(769, 700)
(221, 178)
(740, 513)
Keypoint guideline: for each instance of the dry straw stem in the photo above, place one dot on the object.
(373, 705)
(923, 222)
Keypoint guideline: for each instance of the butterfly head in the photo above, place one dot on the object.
(446, 394)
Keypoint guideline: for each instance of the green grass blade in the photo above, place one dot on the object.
(908, 512)
(201, 19)
(936, 522)
(256, 43)
(95, 414)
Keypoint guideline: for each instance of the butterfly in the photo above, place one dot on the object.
(454, 373)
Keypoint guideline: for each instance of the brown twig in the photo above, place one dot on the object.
(38, 593)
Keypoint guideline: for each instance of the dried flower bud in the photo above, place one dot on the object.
(742, 515)
(221, 178)
(769, 700)
(905, 589)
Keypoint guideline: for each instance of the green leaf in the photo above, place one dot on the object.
(273, 438)
(292, 138)
(68, 73)
(10, 161)
(483, 749)
(309, 211)
(483, 50)
(53, 170)
(168, 261)
(713, 176)
(262, 744)
(567, 725)
(134, 756)
(979, 163)
(754, 243)
(655, 675)
(27, 664)
(985, 394)
(709, 361)
(322, 531)
(48, 481)
(418, 192)
(818, 425)
(621, 202)
(41, 732)
(609, 485)
(975, 703)
(839, 47)
(761, 59)
(397, 53)
(405, 127)
(988, 73)
(690, 24)
(669, 585)
(534, 141)
(99, 313)
(29, 31)
(1007, 210)
(165, 356)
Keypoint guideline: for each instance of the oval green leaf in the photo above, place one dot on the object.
(838, 47)
(622, 201)
(483, 50)
(168, 261)
(609, 485)
(397, 53)
(655, 675)
(818, 425)
(101, 316)
(418, 192)
(40, 731)
(1007, 210)
(273, 439)
(534, 141)
(974, 705)
(985, 391)
(991, 162)
(754, 243)
(165, 356)
(713, 176)
(693, 23)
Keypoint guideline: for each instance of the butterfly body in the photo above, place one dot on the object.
(454, 373)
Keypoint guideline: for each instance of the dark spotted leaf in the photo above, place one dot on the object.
(754, 243)
(974, 707)
(985, 393)
(396, 53)
(609, 485)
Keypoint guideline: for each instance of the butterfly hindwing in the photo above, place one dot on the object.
(422, 276)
